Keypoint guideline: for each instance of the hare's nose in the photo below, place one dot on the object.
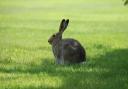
(49, 41)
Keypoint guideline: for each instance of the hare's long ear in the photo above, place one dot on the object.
(63, 25)
(126, 2)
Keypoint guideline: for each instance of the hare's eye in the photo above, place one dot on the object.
(54, 35)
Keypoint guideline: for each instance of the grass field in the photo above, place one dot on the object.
(26, 59)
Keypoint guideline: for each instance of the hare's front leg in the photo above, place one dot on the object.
(62, 56)
(60, 59)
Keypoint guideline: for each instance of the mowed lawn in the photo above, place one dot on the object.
(26, 59)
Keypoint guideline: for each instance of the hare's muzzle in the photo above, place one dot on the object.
(49, 41)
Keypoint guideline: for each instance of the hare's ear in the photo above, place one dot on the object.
(63, 25)
(126, 2)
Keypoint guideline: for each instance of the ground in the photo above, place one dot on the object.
(26, 59)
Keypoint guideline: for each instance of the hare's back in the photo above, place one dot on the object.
(70, 42)
(73, 50)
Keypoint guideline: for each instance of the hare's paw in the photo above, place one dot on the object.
(60, 61)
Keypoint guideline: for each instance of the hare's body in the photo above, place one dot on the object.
(66, 51)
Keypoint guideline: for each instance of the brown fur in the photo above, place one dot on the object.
(66, 51)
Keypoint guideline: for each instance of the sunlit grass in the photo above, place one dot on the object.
(21, 80)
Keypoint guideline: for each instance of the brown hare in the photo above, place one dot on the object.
(68, 50)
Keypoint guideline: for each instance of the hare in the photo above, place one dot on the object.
(68, 50)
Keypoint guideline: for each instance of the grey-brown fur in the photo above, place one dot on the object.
(66, 51)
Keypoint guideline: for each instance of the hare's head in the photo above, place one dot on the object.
(58, 36)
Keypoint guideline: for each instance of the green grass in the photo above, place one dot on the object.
(26, 59)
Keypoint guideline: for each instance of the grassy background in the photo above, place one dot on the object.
(26, 59)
